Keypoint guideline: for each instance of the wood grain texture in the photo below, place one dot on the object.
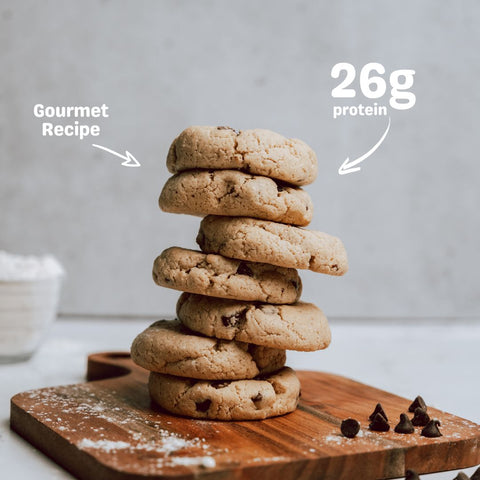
(108, 428)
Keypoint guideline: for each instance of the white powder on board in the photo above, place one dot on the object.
(104, 445)
(168, 443)
(28, 267)
(207, 462)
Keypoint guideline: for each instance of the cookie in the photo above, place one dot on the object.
(255, 399)
(261, 152)
(275, 243)
(169, 347)
(229, 192)
(217, 276)
(301, 326)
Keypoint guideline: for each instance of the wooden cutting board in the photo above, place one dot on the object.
(108, 429)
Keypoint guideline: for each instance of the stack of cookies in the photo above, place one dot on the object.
(224, 356)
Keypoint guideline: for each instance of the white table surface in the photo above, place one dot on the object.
(436, 359)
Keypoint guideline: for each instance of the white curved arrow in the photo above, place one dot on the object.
(130, 160)
(349, 167)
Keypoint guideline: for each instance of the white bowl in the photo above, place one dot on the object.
(27, 310)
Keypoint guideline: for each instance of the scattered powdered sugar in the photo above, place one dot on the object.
(104, 445)
(207, 462)
(172, 443)
(28, 267)
(334, 439)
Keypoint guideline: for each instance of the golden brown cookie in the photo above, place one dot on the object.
(234, 193)
(217, 276)
(256, 399)
(301, 326)
(275, 243)
(261, 152)
(169, 347)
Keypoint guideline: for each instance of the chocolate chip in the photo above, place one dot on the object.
(203, 406)
(350, 427)
(244, 269)
(167, 280)
(379, 424)
(257, 398)
(281, 186)
(418, 402)
(476, 475)
(462, 476)
(229, 321)
(411, 475)
(420, 418)
(405, 425)
(220, 384)
(294, 283)
(378, 409)
(431, 430)
(234, 320)
(228, 128)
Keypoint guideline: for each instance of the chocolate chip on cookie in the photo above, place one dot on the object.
(228, 128)
(257, 398)
(220, 384)
(203, 406)
(234, 320)
(244, 269)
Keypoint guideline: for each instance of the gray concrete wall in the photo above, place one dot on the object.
(409, 219)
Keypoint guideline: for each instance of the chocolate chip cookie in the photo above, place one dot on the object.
(258, 151)
(234, 193)
(169, 347)
(268, 396)
(277, 244)
(217, 276)
(301, 326)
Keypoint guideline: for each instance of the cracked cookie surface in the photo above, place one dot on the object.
(217, 276)
(255, 399)
(169, 347)
(258, 151)
(234, 193)
(301, 326)
(275, 243)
